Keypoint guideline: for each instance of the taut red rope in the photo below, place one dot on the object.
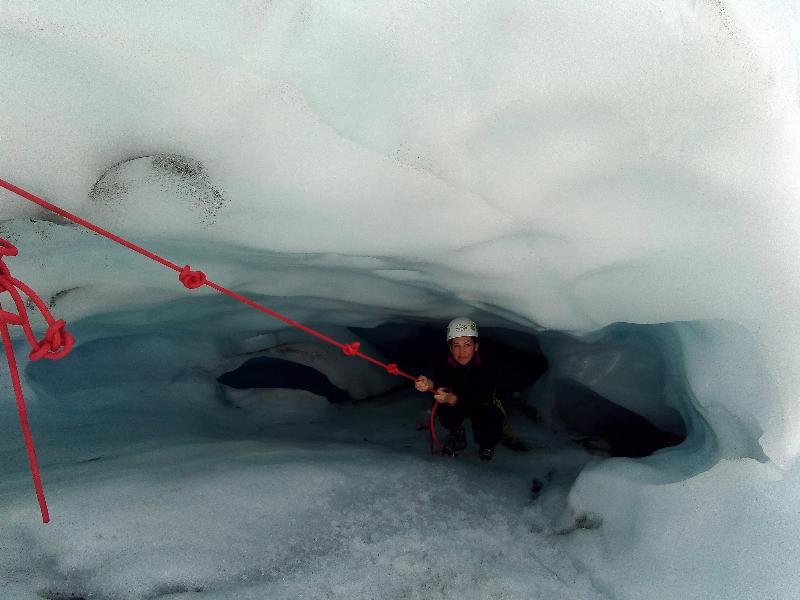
(195, 279)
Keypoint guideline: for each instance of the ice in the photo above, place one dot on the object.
(716, 528)
(160, 485)
(622, 363)
(620, 179)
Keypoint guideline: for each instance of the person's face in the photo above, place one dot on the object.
(463, 349)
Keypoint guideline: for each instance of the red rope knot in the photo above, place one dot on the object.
(351, 349)
(56, 343)
(393, 369)
(192, 279)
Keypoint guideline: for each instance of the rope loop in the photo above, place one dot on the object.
(393, 369)
(351, 349)
(56, 343)
(191, 279)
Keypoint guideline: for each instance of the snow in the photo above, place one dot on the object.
(620, 179)
(157, 488)
(728, 537)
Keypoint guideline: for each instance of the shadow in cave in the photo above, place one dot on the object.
(516, 355)
(599, 424)
(591, 419)
(268, 372)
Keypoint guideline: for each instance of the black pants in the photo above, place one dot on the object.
(487, 421)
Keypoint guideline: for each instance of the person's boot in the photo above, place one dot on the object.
(456, 442)
(486, 454)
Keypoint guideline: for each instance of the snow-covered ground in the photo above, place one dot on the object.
(619, 178)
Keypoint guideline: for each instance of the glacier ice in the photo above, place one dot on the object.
(620, 179)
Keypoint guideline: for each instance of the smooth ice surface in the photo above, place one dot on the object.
(544, 166)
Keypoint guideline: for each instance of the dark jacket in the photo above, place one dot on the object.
(473, 383)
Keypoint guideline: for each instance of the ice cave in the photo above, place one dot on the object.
(610, 190)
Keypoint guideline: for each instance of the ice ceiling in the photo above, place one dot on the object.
(548, 166)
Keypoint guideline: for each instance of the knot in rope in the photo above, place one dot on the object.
(56, 343)
(351, 349)
(191, 279)
(393, 369)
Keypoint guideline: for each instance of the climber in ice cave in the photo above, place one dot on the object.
(465, 386)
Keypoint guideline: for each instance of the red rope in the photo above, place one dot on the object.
(435, 445)
(195, 279)
(23, 421)
(56, 343)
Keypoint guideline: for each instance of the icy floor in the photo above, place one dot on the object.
(288, 498)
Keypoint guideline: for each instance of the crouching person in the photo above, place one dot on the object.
(464, 388)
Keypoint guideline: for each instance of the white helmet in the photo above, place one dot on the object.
(462, 326)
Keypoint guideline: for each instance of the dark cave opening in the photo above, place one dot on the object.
(269, 372)
(588, 417)
(599, 424)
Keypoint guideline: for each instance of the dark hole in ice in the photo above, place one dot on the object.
(592, 420)
(268, 372)
(517, 356)
(604, 425)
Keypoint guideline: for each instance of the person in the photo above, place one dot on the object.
(464, 387)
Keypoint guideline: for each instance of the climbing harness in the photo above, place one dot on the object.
(58, 342)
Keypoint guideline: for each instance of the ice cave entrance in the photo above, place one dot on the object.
(606, 391)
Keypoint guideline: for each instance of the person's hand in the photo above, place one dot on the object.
(445, 396)
(423, 384)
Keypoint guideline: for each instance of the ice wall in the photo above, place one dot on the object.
(560, 165)
(571, 165)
